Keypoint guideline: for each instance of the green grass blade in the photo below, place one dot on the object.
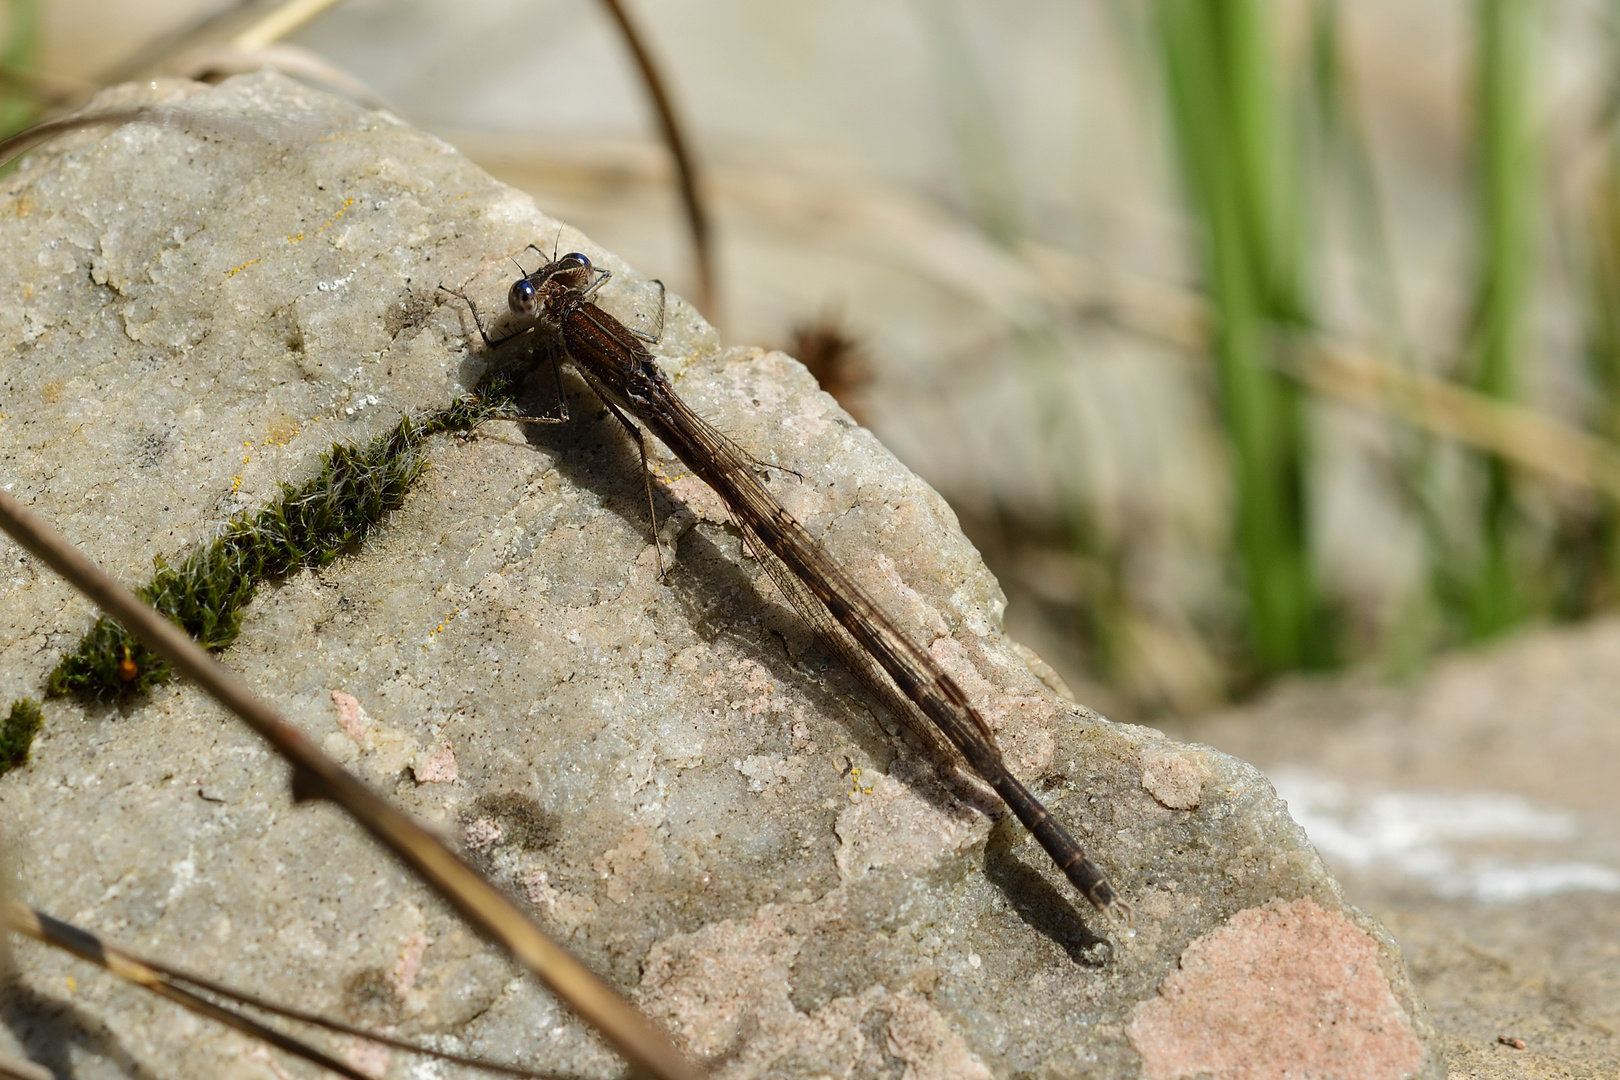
(1507, 176)
(1243, 180)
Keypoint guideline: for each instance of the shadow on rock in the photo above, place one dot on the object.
(1041, 906)
(595, 453)
(53, 1033)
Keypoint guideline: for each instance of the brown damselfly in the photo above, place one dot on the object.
(616, 364)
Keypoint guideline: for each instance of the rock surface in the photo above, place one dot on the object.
(670, 770)
(1476, 814)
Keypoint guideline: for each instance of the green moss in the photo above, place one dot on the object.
(308, 526)
(17, 734)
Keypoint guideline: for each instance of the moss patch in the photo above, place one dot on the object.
(354, 488)
(17, 734)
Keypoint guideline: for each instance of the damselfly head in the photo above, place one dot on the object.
(572, 271)
(524, 298)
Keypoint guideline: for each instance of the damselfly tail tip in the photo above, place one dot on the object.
(1123, 917)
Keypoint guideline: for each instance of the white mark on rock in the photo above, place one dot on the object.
(1458, 844)
(637, 769)
(185, 874)
(898, 828)
(763, 771)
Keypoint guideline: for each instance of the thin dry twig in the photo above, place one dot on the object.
(300, 63)
(239, 41)
(50, 129)
(1525, 437)
(285, 19)
(51, 91)
(315, 775)
(43, 928)
(172, 983)
(697, 214)
(246, 28)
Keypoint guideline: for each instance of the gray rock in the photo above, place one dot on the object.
(670, 770)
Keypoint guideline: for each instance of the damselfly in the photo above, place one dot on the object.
(615, 362)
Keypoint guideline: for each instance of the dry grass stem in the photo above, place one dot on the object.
(286, 18)
(177, 985)
(86, 946)
(686, 171)
(300, 63)
(317, 776)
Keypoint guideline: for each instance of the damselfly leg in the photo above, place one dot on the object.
(563, 415)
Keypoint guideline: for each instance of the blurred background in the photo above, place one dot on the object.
(1245, 338)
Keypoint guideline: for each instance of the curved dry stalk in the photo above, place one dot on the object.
(276, 24)
(42, 927)
(225, 44)
(1526, 437)
(315, 775)
(171, 983)
(1523, 436)
(55, 91)
(244, 28)
(217, 47)
(283, 128)
(697, 214)
(31, 137)
(291, 60)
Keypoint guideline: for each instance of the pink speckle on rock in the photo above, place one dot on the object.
(1173, 777)
(1285, 990)
(440, 768)
(919, 1036)
(368, 1057)
(482, 833)
(351, 717)
(410, 962)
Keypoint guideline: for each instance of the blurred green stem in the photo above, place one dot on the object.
(979, 146)
(1104, 603)
(1506, 176)
(1595, 237)
(1243, 179)
(17, 105)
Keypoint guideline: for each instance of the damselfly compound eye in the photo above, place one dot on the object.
(523, 299)
(578, 261)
